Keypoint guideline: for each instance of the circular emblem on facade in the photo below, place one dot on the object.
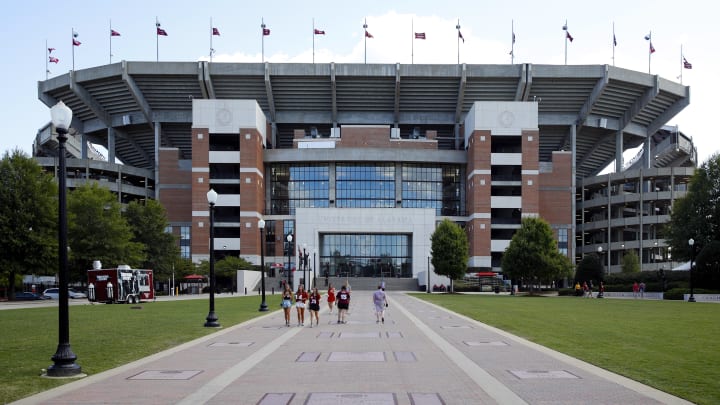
(506, 118)
(223, 116)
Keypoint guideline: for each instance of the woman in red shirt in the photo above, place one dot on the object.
(300, 297)
(331, 297)
(314, 306)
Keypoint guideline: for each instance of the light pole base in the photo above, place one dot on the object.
(212, 321)
(691, 299)
(263, 307)
(64, 363)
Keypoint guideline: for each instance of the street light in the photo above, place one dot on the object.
(600, 256)
(261, 226)
(313, 269)
(305, 264)
(289, 270)
(64, 359)
(691, 242)
(212, 320)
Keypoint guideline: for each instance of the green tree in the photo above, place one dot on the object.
(533, 254)
(630, 262)
(98, 231)
(449, 250)
(697, 215)
(28, 219)
(149, 222)
(590, 269)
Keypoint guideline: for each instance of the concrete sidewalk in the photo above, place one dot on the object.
(422, 354)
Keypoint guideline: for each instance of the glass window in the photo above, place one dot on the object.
(298, 186)
(364, 186)
(563, 241)
(365, 255)
(438, 187)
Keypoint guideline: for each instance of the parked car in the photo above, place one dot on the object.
(54, 293)
(29, 296)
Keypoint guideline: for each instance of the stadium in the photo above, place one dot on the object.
(358, 162)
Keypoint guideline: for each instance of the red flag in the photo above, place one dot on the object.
(114, 33)
(216, 31)
(76, 42)
(50, 50)
(368, 35)
(319, 32)
(419, 35)
(568, 36)
(652, 48)
(162, 32)
(686, 64)
(54, 59)
(266, 31)
(460, 36)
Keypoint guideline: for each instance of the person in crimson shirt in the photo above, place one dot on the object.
(331, 297)
(301, 297)
(314, 306)
(343, 300)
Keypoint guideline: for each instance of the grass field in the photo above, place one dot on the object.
(105, 336)
(670, 345)
(673, 346)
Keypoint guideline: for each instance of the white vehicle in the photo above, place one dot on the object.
(54, 293)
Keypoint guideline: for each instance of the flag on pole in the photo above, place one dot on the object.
(56, 60)
(162, 32)
(460, 36)
(568, 36)
(266, 31)
(513, 37)
(76, 42)
(319, 32)
(419, 35)
(368, 35)
(114, 33)
(614, 40)
(686, 64)
(215, 31)
(50, 50)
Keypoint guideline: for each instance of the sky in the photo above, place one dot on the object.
(487, 27)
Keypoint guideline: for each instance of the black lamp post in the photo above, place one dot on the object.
(289, 270)
(691, 242)
(314, 269)
(212, 320)
(305, 265)
(263, 304)
(64, 359)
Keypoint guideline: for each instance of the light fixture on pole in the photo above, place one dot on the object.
(289, 269)
(691, 242)
(212, 320)
(64, 359)
(261, 226)
(600, 255)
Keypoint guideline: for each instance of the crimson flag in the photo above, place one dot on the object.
(568, 36)
(266, 31)
(368, 35)
(614, 40)
(216, 31)
(76, 42)
(319, 32)
(162, 32)
(686, 64)
(50, 50)
(419, 35)
(114, 33)
(54, 59)
(652, 48)
(513, 38)
(460, 36)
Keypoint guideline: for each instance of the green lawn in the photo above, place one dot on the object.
(105, 336)
(673, 346)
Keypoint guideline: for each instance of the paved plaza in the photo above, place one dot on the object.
(421, 355)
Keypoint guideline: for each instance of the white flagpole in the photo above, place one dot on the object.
(412, 44)
(211, 35)
(649, 38)
(682, 63)
(365, 26)
(566, 39)
(110, 41)
(47, 58)
(313, 36)
(72, 36)
(157, 40)
(262, 25)
(512, 42)
(613, 58)
(458, 39)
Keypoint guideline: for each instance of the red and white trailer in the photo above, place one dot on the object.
(120, 285)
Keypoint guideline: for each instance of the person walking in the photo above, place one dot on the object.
(635, 288)
(286, 303)
(380, 302)
(301, 297)
(314, 306)
(331, 297)
(343, 299)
